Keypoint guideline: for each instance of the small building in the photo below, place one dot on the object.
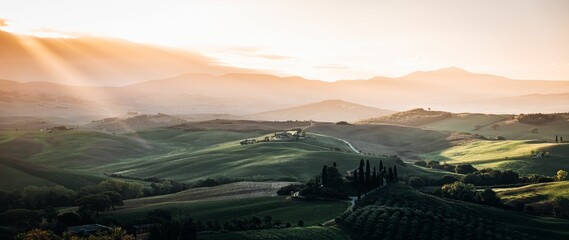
(86, 230)
(248, 141)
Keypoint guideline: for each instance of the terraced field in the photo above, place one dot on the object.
(306, 233)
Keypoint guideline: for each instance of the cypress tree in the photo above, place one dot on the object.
(368, 175)
(335, 164)
(374, 181)
(556, 138)
(390, 175)
(356, 179)
(325, 175)
(380, 165)
(395, 172)
(361, 180)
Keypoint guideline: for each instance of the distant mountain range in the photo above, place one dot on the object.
(215, 89)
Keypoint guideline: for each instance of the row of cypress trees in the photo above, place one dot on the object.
(366, 180)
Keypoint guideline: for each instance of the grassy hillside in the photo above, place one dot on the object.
(506, 155)
(333, 110)
(17, 174)
(506, 127)
(405, 142)
(73, 149)
(488, 125)
(279, 208)
(414, 117)
(306, 233)
(534, 193)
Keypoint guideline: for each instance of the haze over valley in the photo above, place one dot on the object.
(284, 120)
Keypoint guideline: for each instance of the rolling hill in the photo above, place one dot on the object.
(242, 94)
(185, 153)
(489, 125)
(326, 111)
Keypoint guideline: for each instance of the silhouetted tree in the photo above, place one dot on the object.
(374, 180)
(325, 175)
(556, 139)
(380, 165)
(300, 223)
(390, 175)
(395, 176)
(335, 165)
(368, 176)
(268, 221)
(361, 181)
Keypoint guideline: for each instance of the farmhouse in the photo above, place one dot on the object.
(287, 135)
(248, 141)
(86, 230)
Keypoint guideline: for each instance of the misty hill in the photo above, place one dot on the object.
(326, 111)
(414, 117)
(188, 83)
(134, 122)
(521, 126)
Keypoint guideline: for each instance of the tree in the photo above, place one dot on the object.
(375, 181)
(421, 163)
(458, 190)
(390, 175)
(116, 198)
(256, 221)
(433, 164)
(358, 183)
(562, 203)
(395, 176)
(415, 181)
(335, 165)
(380, 165)
(561, 175)
(268, 221)
(325, 176)
(368, 176)
(488, 197)
(556, 138)
(361, 176)
(300, 223)
(37, 234)
(21, 218)
(50, 214)
(533, 130)
(95, 202)
(465, 169)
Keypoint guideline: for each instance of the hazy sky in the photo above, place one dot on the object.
(328, 39)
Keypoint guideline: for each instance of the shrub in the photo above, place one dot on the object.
(415, 181)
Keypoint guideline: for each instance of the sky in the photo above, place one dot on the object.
(326, 39)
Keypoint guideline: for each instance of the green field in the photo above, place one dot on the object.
(279, 208)
(533, 193)
(506, 127)
(506, 155)
(185, 156)
(306, 233)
